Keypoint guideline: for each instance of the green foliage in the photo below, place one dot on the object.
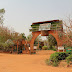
(37, 39)
(51, 41)
(52, 48)
(2, 11)
(40, 46)
(9, 41)
(53, 60)
(45, 48)
(62, 55)
(48, 61)
(69, 58)
(1, 46)
(29, 37)
(69, 53)
(5, 46)
(23, 36)
(56, 57)
(69, 48)
(6, 33)
(55, 64)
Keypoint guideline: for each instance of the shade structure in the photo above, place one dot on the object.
(44, 33)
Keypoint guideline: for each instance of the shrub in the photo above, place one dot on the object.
(1, 45)
(62, 55)
(52, 48)
(69, 58)
(44, 47)
(55, 64)
(5, 47)
(69, 53)
(56, 57)
(53, 60)
(40, 47)
(48, 61)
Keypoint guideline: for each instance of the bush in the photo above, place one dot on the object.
(56, 57)
(62, 55)
(69, 53)
(52, 48)
(40, 47)
(5, 47)
(69, 58)
(48, 61)
(55, 64)
(53, 60)
(1, 46)
(45, 48)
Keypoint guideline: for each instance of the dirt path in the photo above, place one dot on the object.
(28, 63)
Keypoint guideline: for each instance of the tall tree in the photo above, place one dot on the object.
(2, 11)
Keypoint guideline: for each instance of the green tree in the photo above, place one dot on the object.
(38, 39)
(51, 40)
(23, 36)
(29, 37)
(2, 11)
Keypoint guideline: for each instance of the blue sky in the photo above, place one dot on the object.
(20, 14)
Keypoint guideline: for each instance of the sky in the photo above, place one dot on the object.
(20, 14)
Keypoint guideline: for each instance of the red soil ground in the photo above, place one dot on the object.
(29, 63)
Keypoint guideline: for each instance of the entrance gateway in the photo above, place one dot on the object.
(45, 28)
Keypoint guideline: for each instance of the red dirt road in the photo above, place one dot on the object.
(28, 63)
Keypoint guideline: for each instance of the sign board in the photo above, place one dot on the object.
(45, 26)
(60, 48)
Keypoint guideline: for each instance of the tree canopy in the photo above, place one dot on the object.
(2, 11)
